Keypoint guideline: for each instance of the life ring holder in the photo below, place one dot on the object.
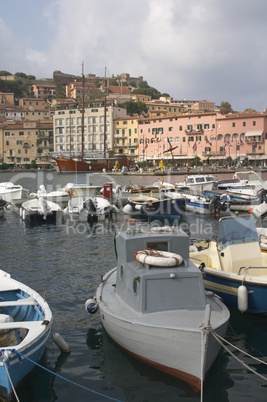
(157, 258)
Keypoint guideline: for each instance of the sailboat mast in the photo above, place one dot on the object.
(105, 114)
(82, 150)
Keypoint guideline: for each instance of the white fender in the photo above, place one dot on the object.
(193, 248)
(127, 209)
(158, 258)
(242, 298)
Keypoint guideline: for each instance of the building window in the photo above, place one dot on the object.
(244, 124)
(254, 123)
(233, 124)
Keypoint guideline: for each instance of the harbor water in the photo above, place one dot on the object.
(64, 263)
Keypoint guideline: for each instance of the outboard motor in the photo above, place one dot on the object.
(92, 217)
(216, 206)
(262, 194)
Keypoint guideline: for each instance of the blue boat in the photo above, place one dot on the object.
(25, 329)
(234, 265)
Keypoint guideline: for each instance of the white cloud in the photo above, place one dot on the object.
(194, 49)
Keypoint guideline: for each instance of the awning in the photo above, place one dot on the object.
(257, 157)
(253, 133)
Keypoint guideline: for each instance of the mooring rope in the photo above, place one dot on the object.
(221, 342)
(10, 380)
(65, 379)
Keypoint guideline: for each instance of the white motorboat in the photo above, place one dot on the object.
(90, 210)
(243, 180)
(197, 183)
(61, 197)
(154, 305)
(82, 190)
(10, 192)
(25, 329)
(39, 210)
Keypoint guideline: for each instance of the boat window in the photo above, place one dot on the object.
(121, 271)
(159, 245)
(237, 229)
(200, 179)
(189, 181)
(210, 179)
(135, 284)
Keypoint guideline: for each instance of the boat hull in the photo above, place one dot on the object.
(168, 347)
(25, 329)
(70, 165)
(161, 209)
(226, 286)
(19, 366)
(54, 217)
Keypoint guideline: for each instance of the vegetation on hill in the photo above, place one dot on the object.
(134, 108)
(225, 108)
(17, 87)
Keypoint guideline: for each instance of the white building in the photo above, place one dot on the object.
(68, 129)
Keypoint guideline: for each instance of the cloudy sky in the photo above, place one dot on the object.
(191, 49)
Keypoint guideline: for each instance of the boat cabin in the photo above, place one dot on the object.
(147, 287)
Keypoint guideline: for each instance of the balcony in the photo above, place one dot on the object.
(198, 131)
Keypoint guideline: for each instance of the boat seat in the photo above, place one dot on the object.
(30, 301)
(239, 255)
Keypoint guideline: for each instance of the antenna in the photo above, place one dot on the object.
(82, 150)
(105, 113)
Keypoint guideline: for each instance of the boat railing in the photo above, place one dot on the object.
(247, 268)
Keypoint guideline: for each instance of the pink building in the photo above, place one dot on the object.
(210, 136)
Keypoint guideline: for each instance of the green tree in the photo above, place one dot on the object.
(4, 73)
(226, 108)
(60, 91)
(135, 107)
(154, 93)
(15, 87)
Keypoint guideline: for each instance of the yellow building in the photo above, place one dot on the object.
(126, 136)
(23, 142)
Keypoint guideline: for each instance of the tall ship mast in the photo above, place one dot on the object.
(81, 162)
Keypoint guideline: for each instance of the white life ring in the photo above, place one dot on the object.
(158, 258)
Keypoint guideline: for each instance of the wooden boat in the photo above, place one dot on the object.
(144, 206)
(234, 266)
(25, 328)
(90, 161)
(86, 164)
(154, 305)
(39, 210)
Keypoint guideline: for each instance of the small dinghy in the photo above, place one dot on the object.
(25, 328)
